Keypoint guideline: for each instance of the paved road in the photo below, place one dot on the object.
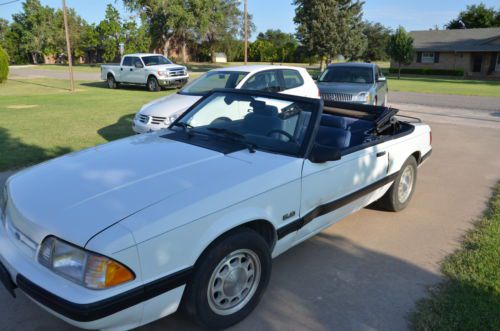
(366, 272)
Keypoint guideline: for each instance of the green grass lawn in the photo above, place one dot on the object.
(452, 86)
(469, 298)
(40, 119)
(78, 67)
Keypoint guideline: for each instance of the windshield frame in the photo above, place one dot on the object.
(182, 92)
(150, 65)
(323, 74)
(311, 130)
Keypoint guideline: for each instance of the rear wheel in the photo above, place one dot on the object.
(112, 84)
(399, 195)
(153, 85)
(229, 280)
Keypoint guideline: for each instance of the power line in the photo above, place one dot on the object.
(8, 3)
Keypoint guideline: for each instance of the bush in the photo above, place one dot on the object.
(428, 71)
(4, 65)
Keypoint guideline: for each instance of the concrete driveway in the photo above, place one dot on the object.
(366, 272)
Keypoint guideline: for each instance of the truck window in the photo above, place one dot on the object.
(127, 62)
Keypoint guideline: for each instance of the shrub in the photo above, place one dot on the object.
(428, 71)
(4, 65)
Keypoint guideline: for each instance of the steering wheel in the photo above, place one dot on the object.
(283, 133)
(221, 120)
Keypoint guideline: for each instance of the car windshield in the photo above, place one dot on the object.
(347, 74)
(155, 60)
(279, 125)
(213, 80)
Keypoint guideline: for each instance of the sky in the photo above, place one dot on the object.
(278, 14)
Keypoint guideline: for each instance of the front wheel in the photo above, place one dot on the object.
(153, 85)
(399, 195)
(112, 84)
(229, 280)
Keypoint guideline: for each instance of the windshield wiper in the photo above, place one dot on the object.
(186, 128)
(235, 136)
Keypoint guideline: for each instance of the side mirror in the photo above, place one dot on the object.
(381, 79)
(138, 65)
(322, 154)
(315, 77)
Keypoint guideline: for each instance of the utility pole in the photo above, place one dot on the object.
(246, 32)
(68, 46)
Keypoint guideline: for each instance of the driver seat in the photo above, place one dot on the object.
(262, 120)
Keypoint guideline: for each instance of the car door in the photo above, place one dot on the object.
(137, 74)
(334, 190)
(126, 69)
(291, 82)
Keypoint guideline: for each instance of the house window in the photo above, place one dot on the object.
(428, 57)
(497, 68)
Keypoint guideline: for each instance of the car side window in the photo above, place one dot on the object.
(127, 62)
(266, 81)
(292, 79)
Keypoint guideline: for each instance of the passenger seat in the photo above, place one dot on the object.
(333, 132)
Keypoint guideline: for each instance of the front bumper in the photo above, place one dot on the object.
(173, 81)
(139, 127)
(121, 308)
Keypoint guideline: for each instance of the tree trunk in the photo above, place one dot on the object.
(184, 52)
(34, 58)
(321, 64)
(399, 70)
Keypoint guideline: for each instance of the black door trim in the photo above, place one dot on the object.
(331, 206)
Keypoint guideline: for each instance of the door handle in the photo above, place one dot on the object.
(380, 154)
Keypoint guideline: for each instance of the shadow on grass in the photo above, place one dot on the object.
(16, 154)
(31, 82)
(121, 129)
(141, 88)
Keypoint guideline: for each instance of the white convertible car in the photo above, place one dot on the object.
(104, 240)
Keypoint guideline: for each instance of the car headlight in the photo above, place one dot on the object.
(163, 73)
(363, 97)
(82, 267)
(171, 119)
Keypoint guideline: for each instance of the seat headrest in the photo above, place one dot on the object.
(261, 108)
(334, 122)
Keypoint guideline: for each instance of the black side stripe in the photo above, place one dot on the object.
(100, 309)
(425, 157)
(331, 206)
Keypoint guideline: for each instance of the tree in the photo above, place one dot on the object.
(77, 26)
(4, 65)
(278, 46)
(330, 27)
(377, 37)
(476, 16)
(401, 48)
(33, 29)
(4, 27)
(110, 34)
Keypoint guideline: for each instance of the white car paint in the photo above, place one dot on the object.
(157, 217)
(160, 113)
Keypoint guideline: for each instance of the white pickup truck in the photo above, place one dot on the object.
(153, 70)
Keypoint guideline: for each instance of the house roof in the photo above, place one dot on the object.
(462, 40)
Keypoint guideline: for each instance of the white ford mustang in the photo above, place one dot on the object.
(120, 235)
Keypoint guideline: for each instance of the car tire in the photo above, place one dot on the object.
(112, 84)
(228, 280)
(153, 85)
(401, 191)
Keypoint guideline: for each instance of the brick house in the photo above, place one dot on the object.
(475, 51)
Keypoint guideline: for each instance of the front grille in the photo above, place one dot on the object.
(343, 97)
(157, 120)
(177, 73)
(144, 119)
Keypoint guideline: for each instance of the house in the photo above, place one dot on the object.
(219, 58)
(476, 52)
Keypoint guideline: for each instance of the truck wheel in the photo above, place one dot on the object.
(399, 195)
(229, 280)
(153, 85)
(112, 84)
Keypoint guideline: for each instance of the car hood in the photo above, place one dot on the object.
(169, 105)
(74, 197)
(166, 67)
(344, 88)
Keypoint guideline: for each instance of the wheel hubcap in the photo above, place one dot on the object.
(152, 84)
(406, 184)
(234, 282)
